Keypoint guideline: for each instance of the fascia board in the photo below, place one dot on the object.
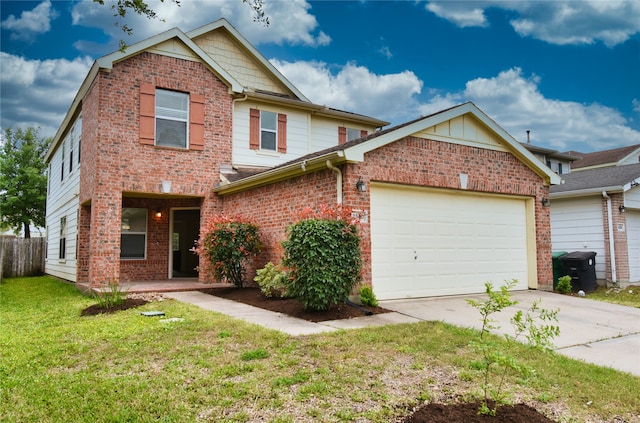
(106, 62)
(586, 192)
(635, 153)
(223, 23)
(73, 110)
(281, 173)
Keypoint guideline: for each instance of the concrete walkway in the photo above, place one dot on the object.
(593, 331)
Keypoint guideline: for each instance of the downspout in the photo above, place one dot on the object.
(338, 181)
(612, 251)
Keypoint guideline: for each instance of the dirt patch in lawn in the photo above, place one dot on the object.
(468, 413)
(289, 306)
(126, 304)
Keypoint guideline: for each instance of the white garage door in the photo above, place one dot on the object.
(633, 239)
(430, 243)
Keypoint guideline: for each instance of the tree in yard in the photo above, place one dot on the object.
(139, 7)
(23, 182)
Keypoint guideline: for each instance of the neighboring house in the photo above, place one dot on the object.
(598, 209)
(615, 157)
(184, 126)
(560, 163)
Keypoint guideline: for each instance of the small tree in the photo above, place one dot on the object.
(322, 254)
(23, 181)
(227, 243)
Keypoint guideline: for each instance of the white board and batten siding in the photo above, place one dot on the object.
(427, 242)
(62, 201)
(577, 225)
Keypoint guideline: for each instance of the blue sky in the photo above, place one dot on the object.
(568, 70)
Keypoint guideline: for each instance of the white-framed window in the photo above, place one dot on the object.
(62, 161)
(133, 235)
(353, 134)
(268, 130)
(62, 252)
(172, 118)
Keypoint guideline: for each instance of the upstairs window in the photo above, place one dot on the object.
(62, 251)
(267, 131)
(559, 168)
(348, 134)
(172, 118)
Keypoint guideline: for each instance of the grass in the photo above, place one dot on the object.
(629, 296)
(56, 366)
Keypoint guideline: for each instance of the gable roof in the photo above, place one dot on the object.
(604, 158)
(354, 151)
(105, 64)
(595, 181)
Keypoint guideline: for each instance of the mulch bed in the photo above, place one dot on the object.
(289, 306)
(128, 303)
(468, 413)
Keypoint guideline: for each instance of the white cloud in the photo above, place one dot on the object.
(355, 88)
(556, 22)
(290, 21)
(31, 22)
(515, 103)
(38, 93)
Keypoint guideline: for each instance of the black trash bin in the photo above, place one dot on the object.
(581, 266)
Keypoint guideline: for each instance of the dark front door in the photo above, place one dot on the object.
(186, 229)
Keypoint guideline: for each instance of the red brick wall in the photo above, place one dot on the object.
(114, 162)
(413, 161)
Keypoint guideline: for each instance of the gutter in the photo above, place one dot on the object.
(338, 181)
(586, 192)
(612, 251)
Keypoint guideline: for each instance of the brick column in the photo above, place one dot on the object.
(104, 263)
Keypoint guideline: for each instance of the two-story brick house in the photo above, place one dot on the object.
(182, 126)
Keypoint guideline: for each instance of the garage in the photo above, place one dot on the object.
(428, 242)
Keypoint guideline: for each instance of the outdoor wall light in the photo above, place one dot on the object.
(622, 209)
(545, 202)
(158, 213)
(361, 186)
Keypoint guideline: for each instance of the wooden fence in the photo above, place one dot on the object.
(21, 257)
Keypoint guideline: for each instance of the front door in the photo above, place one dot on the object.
(186, 230)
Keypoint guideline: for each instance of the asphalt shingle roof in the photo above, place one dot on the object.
(603, 177)
(602, 157)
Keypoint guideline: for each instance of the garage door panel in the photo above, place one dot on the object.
(444, 243)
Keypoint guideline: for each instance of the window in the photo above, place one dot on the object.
(71, 156)
(268, 130)
(172, 118)
(79, 136)
(62, 164)
(62, 253)
(348, 134)
(559, 168)
(133, 236)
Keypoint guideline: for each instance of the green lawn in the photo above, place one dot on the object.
(629, 296)
(56, 366)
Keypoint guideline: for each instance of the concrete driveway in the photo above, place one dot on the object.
(593, 331)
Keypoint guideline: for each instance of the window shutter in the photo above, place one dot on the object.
(342, 134)
(196, 122)
(282, 133)
(254, 129)
(147, 113)
(363, 133)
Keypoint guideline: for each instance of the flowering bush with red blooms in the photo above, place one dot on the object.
(322, 254)
(227, 243)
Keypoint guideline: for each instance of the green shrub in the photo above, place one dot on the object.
(564, 284)
(226, 244)
(322, 253)
(272, 281)
(110, 296)
(367, 297)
